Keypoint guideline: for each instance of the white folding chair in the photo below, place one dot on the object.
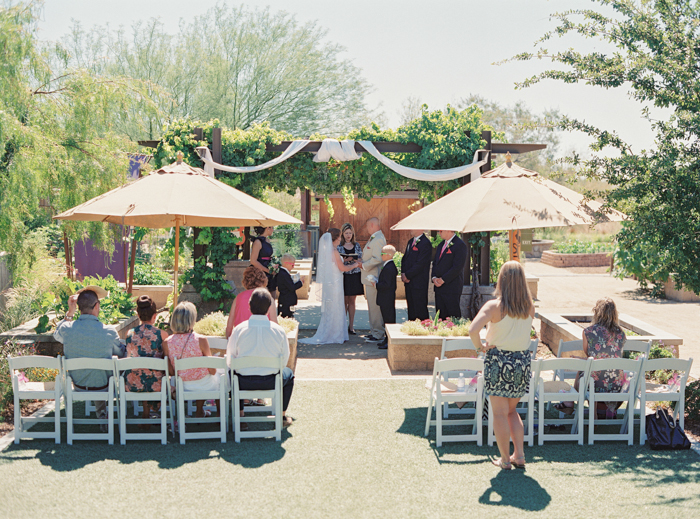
(107, 395)
(442, 393)
(273, 412)
(36, 391)
(218, 346)
(183, 395)
(163, 396)
(550, 391)
(534, 344)
(643, 347)
(458, 344)
(649, 392)
(566, 347)
(632, 369)
(528, 410)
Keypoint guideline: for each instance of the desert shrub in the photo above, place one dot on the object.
(692, 400)
(149, 274)
(213, 324)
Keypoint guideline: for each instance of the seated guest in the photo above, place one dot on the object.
(145, 341)
(185, 343)
(604, 339)
(259, 337)
(253, 278)
(386, 289)
(287, 287)
(88, 338)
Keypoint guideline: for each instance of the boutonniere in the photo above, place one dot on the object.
(417, 239)
(448, 251)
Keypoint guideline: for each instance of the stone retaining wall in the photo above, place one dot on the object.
(554, 259)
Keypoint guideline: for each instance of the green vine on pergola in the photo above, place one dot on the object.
(448, 139)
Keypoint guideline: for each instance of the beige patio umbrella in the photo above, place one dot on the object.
(507, 198)
(177, 195)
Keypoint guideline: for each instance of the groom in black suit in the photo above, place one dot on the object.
(448, 274)
(415, 274)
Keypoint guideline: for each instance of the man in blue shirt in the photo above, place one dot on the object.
(88, 338)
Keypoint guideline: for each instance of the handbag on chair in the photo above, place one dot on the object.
(665, 434)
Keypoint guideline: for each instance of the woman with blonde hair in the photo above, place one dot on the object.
(603, 339)
(185, 343)
(507, 363)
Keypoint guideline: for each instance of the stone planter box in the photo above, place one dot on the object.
(159, 293)
(683, 295)
(416, 352)
(538, 247)
(554, 259)
(555, 327)
(218, 345)
(47, 345)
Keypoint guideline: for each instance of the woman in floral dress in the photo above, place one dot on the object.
(145, 341)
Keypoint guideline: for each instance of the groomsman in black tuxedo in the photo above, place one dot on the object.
(287, 287)
(448, 274)
(415, 274)
(386, 290)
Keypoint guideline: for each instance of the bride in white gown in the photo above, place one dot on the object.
(333, 328)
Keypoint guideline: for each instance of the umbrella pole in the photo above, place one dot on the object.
(514, 244)
(177, 256)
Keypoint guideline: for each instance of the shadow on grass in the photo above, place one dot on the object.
(515, 489)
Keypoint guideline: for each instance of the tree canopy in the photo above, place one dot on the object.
(239, 66)
(656, 55)
(57, 138)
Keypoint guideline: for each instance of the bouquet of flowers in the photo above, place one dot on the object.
(274, 265)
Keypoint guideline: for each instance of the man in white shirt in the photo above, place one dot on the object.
(259, 337)
(371, 263)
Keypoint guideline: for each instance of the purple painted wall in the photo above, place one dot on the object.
(93, 262)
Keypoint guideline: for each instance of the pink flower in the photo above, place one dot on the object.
(22, 377)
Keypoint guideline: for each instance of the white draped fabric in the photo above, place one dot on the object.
(210, 165)
(343, 151)
(429, 175)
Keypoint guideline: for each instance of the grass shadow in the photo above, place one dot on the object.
(515, 489)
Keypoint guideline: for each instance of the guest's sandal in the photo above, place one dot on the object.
(518, 463)
(503, 465)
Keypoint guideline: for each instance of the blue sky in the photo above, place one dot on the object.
(436, 50)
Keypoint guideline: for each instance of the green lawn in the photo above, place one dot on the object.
(356, 449)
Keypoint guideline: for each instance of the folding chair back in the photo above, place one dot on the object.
(73, 394)
(551, 391)
(534, 344)
(220, 394)
(442, 392)
(638, 346)
(457, 344)
(566, 347)
(274, 412)
(663, 392)
(36, 391)
(163, 397)
(632, 369)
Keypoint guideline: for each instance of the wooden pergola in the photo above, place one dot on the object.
(493, 148)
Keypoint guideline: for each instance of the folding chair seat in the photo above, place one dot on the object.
(36, 391)
(273, 412)
(551, 391)
(632, 369)
(163, 396)
(527, 411)
(649, 392)
(443, 392)
(107, 395)
(458, 344)
(182, 395)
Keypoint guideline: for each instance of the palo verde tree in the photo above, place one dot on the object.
(656, 55)
(234, 64)
(57, 142)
